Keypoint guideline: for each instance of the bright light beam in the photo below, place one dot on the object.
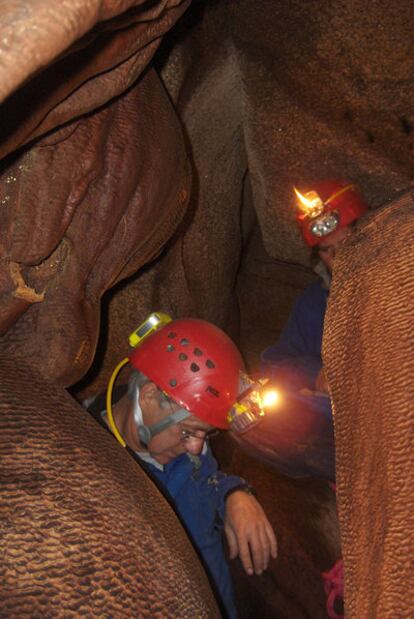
(270, 398)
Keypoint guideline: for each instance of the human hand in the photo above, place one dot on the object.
(249, 533)
(321, 384)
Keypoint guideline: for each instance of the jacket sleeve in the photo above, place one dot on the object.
(295, 359)
(223, 484)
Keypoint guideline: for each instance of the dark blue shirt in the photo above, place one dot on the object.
(293, 363)
(295, 359)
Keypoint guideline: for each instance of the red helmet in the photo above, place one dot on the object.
(196, 364)
(326, 207)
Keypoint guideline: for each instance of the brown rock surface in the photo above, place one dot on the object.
(368, 350)
(85, 209)
(83, 531)
(70, 58)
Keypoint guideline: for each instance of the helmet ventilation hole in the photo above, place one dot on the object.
(182, 356)
(210, 364)
(213, 391)
(173, 382)
(170, 348)
(184, 342)
(198, 352)
(194, 367)
(171, 334)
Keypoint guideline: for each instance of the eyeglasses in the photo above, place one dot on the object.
(186, 435)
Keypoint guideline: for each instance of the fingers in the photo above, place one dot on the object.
(260, 550)
(272, 540)
(256, 547)
(249, 533)
(231, 542)
(246, 558)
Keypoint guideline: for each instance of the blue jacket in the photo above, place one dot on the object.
(198, 491)
(295, 359)
(293, 364)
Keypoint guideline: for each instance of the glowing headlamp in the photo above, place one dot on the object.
(253, 399)
(310, 203)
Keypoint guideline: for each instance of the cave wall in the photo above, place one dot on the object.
(319, 91)
(368, 346)
(269, 99)
(81, 206)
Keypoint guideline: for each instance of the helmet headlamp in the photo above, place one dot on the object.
(310, 203)
(151, 324)
(325, 224)
(249, 408)
(327, 207)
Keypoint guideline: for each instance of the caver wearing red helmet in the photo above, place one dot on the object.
(326, 211)
(187, 381)
(195, 364)
(326, 207)
(197, 368)
(200, 372)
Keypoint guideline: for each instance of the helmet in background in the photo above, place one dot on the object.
(327, 206)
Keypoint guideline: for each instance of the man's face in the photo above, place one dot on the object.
(327, 248)
(186, 436)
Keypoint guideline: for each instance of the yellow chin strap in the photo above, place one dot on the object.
(111, 419)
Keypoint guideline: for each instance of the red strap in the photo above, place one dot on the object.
(334, 588)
